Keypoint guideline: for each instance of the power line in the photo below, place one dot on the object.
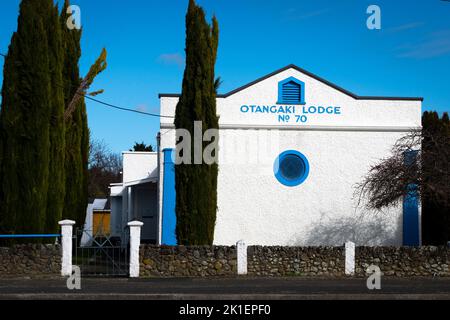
(115, 106)
(125, 109)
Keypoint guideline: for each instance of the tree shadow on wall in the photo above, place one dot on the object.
(363, 230)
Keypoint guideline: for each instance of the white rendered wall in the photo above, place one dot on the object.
(139, 166)
(354, 112)
(255, 207)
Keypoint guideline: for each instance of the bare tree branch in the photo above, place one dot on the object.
(427, 170)
(98, 67)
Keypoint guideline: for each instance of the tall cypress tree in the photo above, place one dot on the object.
(196, 185)
(56, 189)
(24, 123)
(435, 214)
(77, 132)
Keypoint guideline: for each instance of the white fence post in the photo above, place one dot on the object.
(135, 242)
(66, 243)
(241, 257)
(349, 258)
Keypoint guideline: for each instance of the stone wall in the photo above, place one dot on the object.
(330, 262)
(404, 261)
(291, 261)
(207, 261)
(295, 261)
(30, 260)
(181, 261)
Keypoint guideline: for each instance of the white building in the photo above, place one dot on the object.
(292, 148)
(135, 198)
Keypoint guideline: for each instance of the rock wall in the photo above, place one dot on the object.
(181, 261)
(292, 261)
(30, 260)
(295, 261)
(404, 261)
(207, 261)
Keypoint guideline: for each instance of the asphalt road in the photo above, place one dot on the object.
(226, 289)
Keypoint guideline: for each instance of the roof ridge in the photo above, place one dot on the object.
(312, 75)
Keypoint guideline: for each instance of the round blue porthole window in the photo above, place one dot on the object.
(291, 168)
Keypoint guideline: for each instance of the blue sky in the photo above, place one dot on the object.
(409, 56)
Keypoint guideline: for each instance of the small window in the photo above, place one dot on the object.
(291, 168)
(291, 91)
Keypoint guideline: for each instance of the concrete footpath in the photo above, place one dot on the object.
(225, 289)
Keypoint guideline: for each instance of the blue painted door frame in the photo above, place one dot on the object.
(411, 223)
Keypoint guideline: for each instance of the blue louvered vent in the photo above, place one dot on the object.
(292, 93)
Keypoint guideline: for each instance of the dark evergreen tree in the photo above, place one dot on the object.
(435, 210)
(40, 96)
(56, 180)
(142, 147)
(196, 185)
(25, 122)
(77, 132)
